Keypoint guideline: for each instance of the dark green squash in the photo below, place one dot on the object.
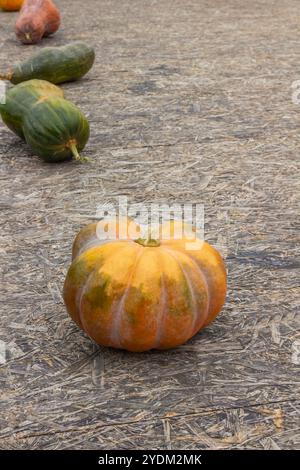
(19, 100)
(55, 128)
(54, 64)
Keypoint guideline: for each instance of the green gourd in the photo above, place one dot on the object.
(54, 64)
(55, 128)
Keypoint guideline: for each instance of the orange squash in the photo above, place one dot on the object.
(142, 294)
(37, 19)
(11, 5)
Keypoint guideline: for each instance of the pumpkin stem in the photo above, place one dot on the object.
(72, 146)
(148, 242)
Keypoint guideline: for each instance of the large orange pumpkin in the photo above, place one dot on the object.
(143, 294)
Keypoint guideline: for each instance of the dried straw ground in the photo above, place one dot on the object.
(188, 101)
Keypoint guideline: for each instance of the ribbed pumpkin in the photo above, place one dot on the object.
(142, 294)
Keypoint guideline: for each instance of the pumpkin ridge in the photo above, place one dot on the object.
(205, 285)
(82, 291)
(172, 253)
(199, 269)
(118, 314)
(162, 316)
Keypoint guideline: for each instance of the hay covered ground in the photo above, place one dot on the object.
(188, 102)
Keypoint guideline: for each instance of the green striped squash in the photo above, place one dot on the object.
(55, 128)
